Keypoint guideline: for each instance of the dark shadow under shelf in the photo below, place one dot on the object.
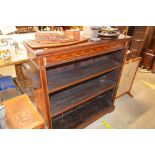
(67, 99)
(80, 116)
(68, 78)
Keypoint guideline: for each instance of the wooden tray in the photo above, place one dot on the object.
(35, 44)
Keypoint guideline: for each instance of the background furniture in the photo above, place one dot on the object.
(128, 75)
(21, 114)
(149, 51)
(139, 35)
(75, 85)
(14, 67)
(147, 60)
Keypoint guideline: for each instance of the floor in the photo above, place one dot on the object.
(136, 112)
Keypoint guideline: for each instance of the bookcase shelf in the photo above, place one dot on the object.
(67, 99)
(63, 79)
(78, 116)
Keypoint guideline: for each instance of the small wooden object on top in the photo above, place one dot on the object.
(48, 39)
(21, 114)
(55, 37)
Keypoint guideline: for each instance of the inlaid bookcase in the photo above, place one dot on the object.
(75, 85)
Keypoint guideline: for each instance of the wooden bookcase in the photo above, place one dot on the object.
(75, 85)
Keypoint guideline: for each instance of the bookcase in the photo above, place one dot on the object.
(75, 85)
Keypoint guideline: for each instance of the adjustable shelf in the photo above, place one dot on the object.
(64, 79)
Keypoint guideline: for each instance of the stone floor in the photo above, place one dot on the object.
(136, 112)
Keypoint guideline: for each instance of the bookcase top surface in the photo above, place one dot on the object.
(46, 51)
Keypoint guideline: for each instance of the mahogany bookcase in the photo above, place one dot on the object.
(75, 85)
